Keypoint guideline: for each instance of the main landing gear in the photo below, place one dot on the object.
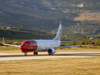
(35, 53)
(50, 54)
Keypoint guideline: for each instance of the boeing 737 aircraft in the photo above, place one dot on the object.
(43, 45)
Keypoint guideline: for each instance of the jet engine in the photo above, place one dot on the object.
(51, 51)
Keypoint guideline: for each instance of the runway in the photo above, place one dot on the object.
(20, 56)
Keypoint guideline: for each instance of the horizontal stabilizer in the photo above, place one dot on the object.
(9, 44)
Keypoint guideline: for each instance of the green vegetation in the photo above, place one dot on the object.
(77, 15)
(22, 34)
(17, 35)
(8, 48)
(80, 20)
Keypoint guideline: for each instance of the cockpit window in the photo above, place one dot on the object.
(24, 44)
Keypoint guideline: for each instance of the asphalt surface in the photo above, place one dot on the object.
(20, 56)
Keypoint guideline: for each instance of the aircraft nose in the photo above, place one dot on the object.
(22, 47)
(28, 46)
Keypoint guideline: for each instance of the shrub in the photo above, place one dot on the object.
(1, 44)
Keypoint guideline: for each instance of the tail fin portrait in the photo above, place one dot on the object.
(58, 35)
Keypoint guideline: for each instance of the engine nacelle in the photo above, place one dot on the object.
(51, 51)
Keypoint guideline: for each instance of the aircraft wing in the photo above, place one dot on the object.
(10, 44)
(72, 46)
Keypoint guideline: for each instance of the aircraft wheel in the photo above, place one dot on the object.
(35, 53)
(50, 54)
(25, 54)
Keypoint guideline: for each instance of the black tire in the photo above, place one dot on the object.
(25, 54)
(35, 53)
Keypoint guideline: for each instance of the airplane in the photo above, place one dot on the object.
(36, 46)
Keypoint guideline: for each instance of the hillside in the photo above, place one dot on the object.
(19, 33)
(78, 16)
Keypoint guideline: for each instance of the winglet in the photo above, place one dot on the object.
(3, 41)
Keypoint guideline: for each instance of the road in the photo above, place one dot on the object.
(20, 56)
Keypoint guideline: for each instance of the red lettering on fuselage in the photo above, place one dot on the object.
(28, 46)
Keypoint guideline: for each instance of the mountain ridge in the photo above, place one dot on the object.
(45, 15)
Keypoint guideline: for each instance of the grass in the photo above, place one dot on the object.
(9, 49)
(61, 66)
(81, 49)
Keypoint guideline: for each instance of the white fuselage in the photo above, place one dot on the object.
(45, 44)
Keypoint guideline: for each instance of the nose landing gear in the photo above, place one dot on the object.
(25, 54)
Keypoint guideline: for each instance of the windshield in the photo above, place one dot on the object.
(24, 44)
